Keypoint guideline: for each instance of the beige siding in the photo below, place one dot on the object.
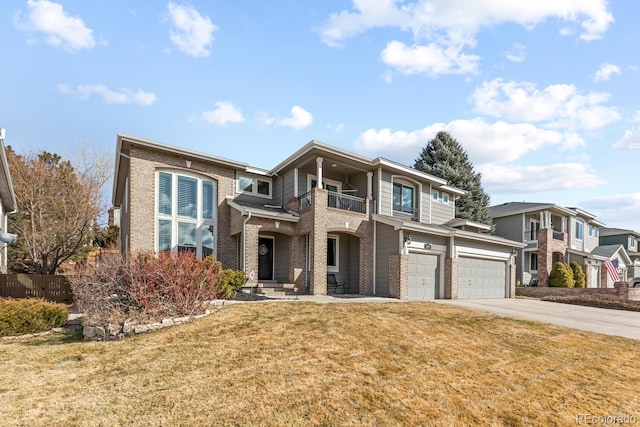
(509, 227)
(441, 213)
(386, 194)
(425, 204)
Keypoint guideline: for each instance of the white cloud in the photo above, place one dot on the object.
(557, 106)
(605, 72)
(620, 210)
(223, 114)
(484, 142)
(630, 141)
(431, 59)
(61, 30)
(299, 119)
(449, 26)
(516, 53)
(192, 33)
(265, 119)
(636, 116)
(500, 179)
(123, 96)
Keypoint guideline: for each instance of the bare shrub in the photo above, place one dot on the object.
(173, 284)
(101, 292)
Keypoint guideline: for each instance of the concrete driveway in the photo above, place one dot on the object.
(604, 321)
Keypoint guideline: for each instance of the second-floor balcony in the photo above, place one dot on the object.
(336, 200)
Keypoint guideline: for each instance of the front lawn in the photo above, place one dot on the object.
(295, 363)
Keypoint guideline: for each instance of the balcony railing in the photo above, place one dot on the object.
(346, 202)
(558, 235)
(336, 200)
(404, 211)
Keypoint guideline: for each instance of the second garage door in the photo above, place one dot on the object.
(423, 276)
(481, 278)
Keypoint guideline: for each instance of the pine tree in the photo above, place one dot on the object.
(445, 158)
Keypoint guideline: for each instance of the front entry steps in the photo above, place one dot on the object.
(274, 289)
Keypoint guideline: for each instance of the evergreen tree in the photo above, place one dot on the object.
(445, 158)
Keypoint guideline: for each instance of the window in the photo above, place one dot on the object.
(327, 184)
(579, 230)
(591, 230)
(435, 196)
(533, 261)
(186, 214)
(534, 226)
(403, 200)
(632, 243)
(445, 198)
(255, 186)
(333, 255)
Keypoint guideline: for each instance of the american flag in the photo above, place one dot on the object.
(612, 270)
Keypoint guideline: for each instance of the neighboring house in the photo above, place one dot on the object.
(8, 203)
(373, 226)
(554, 233)
(630, 240)
(616, 264)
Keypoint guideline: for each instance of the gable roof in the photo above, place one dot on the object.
(610, 231)
(609, 251)
(512, 208)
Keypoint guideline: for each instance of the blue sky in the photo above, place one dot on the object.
(543, 95)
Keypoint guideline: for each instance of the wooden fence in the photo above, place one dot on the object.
(52, 288)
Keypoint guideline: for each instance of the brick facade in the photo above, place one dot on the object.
(399, 276)
(547, 246)
(451, 278)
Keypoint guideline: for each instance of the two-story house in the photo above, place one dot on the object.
(630, 240)
(371, 225)
(554, 233)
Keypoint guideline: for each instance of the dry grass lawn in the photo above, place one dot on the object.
(295, 363)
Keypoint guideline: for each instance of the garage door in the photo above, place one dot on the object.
(481, 278)
(423, 276)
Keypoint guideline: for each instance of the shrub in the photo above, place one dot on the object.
(561, 276)
(578, 275)
(101, 292)
(230, 283)
(173, 284)
(30, 316)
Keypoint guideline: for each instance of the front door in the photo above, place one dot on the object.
(265, 258)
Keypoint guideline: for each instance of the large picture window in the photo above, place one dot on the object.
(403, 198)
(186, 214)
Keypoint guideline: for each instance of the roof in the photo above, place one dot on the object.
(610, 231)
(512, 208)
(445, 230)
(608, 251)
(263, 211)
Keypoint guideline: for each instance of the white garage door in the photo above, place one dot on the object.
(423, 276)
(481, 278)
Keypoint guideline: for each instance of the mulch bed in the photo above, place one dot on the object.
(599, 302)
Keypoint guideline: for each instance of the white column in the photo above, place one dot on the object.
(295, 182)
(370, 185)
(319, 171)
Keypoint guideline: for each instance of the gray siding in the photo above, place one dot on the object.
(425, 204)
(614, 240)
(386, 245)
(509, 227)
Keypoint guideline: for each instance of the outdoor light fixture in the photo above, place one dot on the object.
(277, 223)
(8, 238)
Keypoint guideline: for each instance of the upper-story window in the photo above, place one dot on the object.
(579, 230)
(256, 186)
(327, 184)
(186, 213)
(632, 242)
(403, 197)
(534, 226)
(435, 196)
(445, 198)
